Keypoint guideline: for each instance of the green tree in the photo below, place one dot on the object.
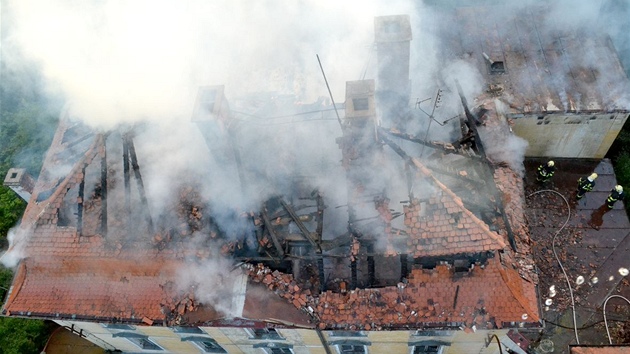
(11, 209)
(25, 135)
(18, 335)
(22, 336)
(6, 275)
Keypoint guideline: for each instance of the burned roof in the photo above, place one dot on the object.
(538, 66)
(86, 265)
(359, 231)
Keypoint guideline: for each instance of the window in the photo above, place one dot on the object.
(427, 349)
(265, 333)
(433, 333)
(497, 67)
(391, 27)
(348, 334)
(360, 104)
(209, 346)
(275, 347)
(205, 343)
(279, 350)
(118, 326)
(190, 330)
(351, 349)
(141, 340)
(144, 343)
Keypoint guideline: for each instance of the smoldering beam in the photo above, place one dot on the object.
(429, 144)
(136, 171)
(272, 232)
(300, 225)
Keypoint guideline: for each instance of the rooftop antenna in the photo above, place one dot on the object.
(436, 103)
(329, 92)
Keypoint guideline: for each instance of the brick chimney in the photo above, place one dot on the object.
(20, 182)
(392, 35)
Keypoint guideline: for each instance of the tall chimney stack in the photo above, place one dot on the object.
(393, 37)
(20, 182)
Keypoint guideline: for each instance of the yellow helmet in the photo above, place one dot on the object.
(592, 177)
(550, 163)
(619, 188)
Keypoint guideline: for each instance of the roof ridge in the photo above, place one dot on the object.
(458, 201)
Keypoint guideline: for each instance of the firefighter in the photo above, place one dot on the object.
(585, 185)
(615, 195)
(545, 172)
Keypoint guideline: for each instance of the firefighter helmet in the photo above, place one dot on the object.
(619, 188)
(550, 163)
(592, 177)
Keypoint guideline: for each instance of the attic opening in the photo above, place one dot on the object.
(391, 27)
(360, 104)
(13, 175)
(497, 67)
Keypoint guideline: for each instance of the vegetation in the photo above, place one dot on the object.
(27, 125)
(619, 154)
(20, 336)
(25, 134)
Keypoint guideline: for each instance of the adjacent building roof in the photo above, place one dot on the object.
(600, 349)
(536, 65)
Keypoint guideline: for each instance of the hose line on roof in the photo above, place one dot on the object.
(604, 311)
(553, 248)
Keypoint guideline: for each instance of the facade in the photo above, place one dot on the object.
(300, 341)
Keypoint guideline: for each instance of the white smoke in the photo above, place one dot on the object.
(120, 61)
(215, 283)
(125, 63)
(12, 256)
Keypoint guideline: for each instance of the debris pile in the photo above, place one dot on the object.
(510, 184)
(176, 303)
(284, 285)
(422, 299)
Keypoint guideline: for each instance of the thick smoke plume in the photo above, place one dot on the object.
(122, 62)
(140, 64)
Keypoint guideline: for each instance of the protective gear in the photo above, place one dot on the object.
(585, 185)
(615, 195)
(545, 172)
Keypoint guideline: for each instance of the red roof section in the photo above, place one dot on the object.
(106, 278)
(88, 287)
(488, 297)
(446, 227)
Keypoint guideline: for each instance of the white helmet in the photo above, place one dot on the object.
(550, 163)
(619, 188)
(592, 177)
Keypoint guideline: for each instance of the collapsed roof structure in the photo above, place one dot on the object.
(432, 234)
(362, 222)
